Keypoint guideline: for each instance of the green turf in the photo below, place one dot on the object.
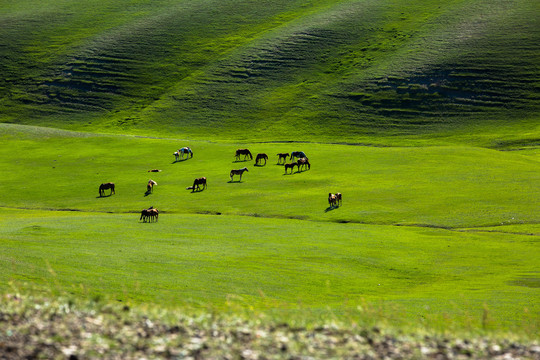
(444, 230)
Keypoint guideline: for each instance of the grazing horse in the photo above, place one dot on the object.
(303, 162)
(297, 154)
(260, 157)
(149, 214)
(185, 150)
(290, 166)
(244, 152)
(106, 186)
(283, 156)
(332, 199)
(176, 156)
(338, 198)
(150, 186)
(198, 182)
(237, 172)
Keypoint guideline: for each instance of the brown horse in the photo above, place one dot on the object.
(283, 156)
(332, 200)
(338, 198)
(244, 152)
(198, 182)
(290, 166)
(261, 157)
(303, 162)
(149, 214)
(150, 186)
(237, 172)
(106, 186)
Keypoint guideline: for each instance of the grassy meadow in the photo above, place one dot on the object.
(425, 117)
(433, 235)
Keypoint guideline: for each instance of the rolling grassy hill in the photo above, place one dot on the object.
(274, 70)
(439, 228)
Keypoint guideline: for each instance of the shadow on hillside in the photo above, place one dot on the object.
(330, 208)
(234, 181)
(180, 160)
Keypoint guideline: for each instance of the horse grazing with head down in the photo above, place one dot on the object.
(237, 172)
(187, 151)
(106, 186)
(290, 166)
(282, 156)
(150, 186)
(149, 214)
(197, 184)
(244, 152)
(261, 157)
(303, 162)
(297, 154)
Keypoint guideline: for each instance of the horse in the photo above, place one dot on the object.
(332, 199)
(338, 198)
(185, 150)
(154, 170)
(244, 152)
(290, 166)
(303, 162)
(176, 156)
(150, 186)
(149, 214)
(237, 172)
(283, 156)
(198, 182)
(297, 154)
(260, 157)
(106, 186)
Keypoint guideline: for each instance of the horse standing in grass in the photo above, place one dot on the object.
(197, 184)
(237, 172)
(297, 154)
(149, 214)
(303, 162)
(282, 156)
(150, 186)
(338, 199)
(244, 152)
(106, 186)
(185, 150)
(261, 157)
(290, 166)
(332, 200)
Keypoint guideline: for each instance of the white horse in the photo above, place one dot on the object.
(187, 151)
(150, 185)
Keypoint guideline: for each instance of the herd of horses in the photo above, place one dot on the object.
(302, 163)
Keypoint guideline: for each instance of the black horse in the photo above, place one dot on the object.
(106, 186)
(244, 152)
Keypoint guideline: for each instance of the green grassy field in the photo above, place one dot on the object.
(430, 234)
(425, 117)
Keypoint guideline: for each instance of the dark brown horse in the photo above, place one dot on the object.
(290, 166)
(261, 157)
(282, 156)
(106, 186)
(338, 198)
(244, 152)
(237, 172)
(303, 162)
(198, 182)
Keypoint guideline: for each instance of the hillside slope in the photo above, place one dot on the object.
(280, 69)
